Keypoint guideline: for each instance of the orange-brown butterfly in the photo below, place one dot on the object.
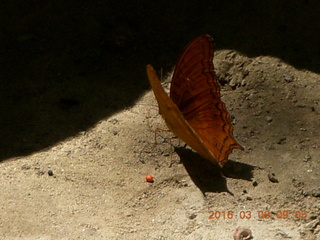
(194, 112)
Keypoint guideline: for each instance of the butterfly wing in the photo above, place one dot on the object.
(174, 118)
(196, 92)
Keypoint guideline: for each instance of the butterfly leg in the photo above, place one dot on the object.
(171, 150)
(148, 117)
(170, 142)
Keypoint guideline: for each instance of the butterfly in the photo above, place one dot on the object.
(194, 112)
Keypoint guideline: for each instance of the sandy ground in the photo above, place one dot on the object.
(78, 138)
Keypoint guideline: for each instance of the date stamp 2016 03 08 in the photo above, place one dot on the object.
(281, 214)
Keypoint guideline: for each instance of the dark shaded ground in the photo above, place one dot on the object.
(65, 65)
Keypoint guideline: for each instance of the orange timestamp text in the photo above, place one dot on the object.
(283, 214)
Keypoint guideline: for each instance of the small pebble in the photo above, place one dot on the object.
(50, 173)
(307, 158)
(312, 225)
(316, 192)
(40, 172)
(114, 121)
(25, 166)
(272, 178)
(254, 183)
(288, 78)
(242, 233)
(282, 140)
(269, 119)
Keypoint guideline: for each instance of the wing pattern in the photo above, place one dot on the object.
(196, 92)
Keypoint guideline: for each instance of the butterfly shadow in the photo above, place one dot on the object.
(207, 176)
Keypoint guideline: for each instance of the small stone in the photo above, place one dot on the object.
(242, 233)
(40, 172)
(193, 216)
(316, 192)
(307, 158)
(50, 173)
(312, 225)
(282, 140)
(282, 234)
(269, 119)
(272, 178)
(113, 121)
(25, 166)
(288, 78)
(233, 83)
(254, 183)
(301, 105)
(245, 72)
(317, 231)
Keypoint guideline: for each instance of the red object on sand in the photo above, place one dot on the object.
(149, 178)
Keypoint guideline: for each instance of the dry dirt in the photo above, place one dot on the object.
(78, 121)
(98, 188)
